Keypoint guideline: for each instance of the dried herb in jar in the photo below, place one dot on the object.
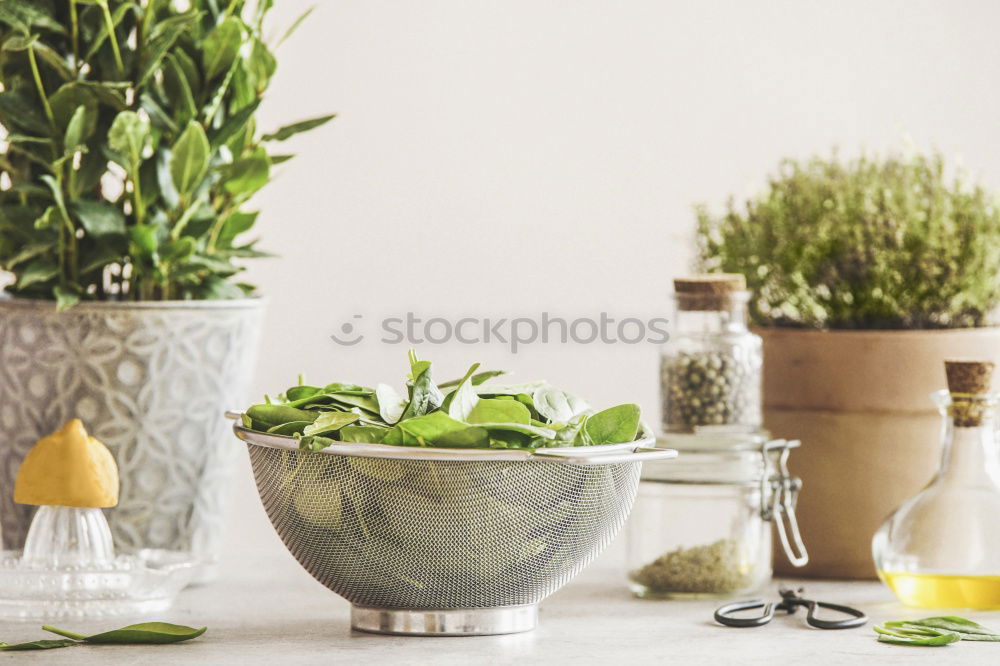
(715, 568)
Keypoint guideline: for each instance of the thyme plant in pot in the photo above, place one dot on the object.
(130, 154)
(865, 275)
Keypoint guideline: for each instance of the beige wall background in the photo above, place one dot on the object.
(504, 158)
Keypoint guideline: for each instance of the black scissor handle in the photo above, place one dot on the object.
(722, 615)
(857, 618)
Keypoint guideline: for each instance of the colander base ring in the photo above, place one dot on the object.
(451, 622)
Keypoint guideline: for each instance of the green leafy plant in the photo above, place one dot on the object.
(468, 413)
(132, 148)
(147, 633)
(868, 244)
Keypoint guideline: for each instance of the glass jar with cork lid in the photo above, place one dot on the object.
(941, 548)
(710, 369)
(701, 527)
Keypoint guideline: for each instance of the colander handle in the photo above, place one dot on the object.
(641, 454)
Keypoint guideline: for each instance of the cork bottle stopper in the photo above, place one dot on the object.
(708, 292)
(972, 377)
(967, 379)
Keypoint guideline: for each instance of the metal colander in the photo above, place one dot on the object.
(444, 541)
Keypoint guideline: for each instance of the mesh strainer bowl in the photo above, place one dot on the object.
(445, 541)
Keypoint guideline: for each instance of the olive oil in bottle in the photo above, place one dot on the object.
(943, 591)
(941, 548)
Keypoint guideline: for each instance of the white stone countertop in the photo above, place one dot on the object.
(265, 609)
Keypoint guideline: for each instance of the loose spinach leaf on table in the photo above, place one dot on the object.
(37, 645)
(136, 634)
(934, 631)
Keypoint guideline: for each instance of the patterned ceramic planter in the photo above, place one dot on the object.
(152, 381)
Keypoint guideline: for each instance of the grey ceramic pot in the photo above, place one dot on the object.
(152, 380)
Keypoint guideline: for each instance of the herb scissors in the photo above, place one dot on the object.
(790, 602)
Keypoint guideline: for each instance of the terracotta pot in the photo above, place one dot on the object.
(859, 401)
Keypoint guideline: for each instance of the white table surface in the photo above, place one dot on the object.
(265, 609)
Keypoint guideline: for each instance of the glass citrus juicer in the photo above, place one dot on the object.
(69, 567)
(941, 548)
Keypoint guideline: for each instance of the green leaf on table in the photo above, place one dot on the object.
(221, 47)
(38, 645)
(899, 633)
(137, 634)
(967, 629)
(289, 131)
(615, 425)
(189, 158)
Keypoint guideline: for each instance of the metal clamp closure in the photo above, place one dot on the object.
(779, 491)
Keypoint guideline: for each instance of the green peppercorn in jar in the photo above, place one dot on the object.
(711, 367)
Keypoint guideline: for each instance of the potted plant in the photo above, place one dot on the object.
(130, 155)
(865, 275)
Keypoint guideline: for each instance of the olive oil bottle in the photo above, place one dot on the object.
(941, 548)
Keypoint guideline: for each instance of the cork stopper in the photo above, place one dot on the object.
(708, 292)
(967, 379)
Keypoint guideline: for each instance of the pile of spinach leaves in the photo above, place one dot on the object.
(462, 413)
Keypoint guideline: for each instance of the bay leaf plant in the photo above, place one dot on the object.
(901, 242)
(131, 147)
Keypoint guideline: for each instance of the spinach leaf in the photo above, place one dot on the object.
(272, 415)
(314, 442)
(557, 405)
(463, 399)
(528, 388)
(903, 635)
(489, 410)
(290, 428)
(147, 632)
(439, 429)
(424, 395)
(615, 425)
(364, 434)
(391, 405)
(38, 645)
(967, 629)
(328, 423)
(476, 379)
(299, 392)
